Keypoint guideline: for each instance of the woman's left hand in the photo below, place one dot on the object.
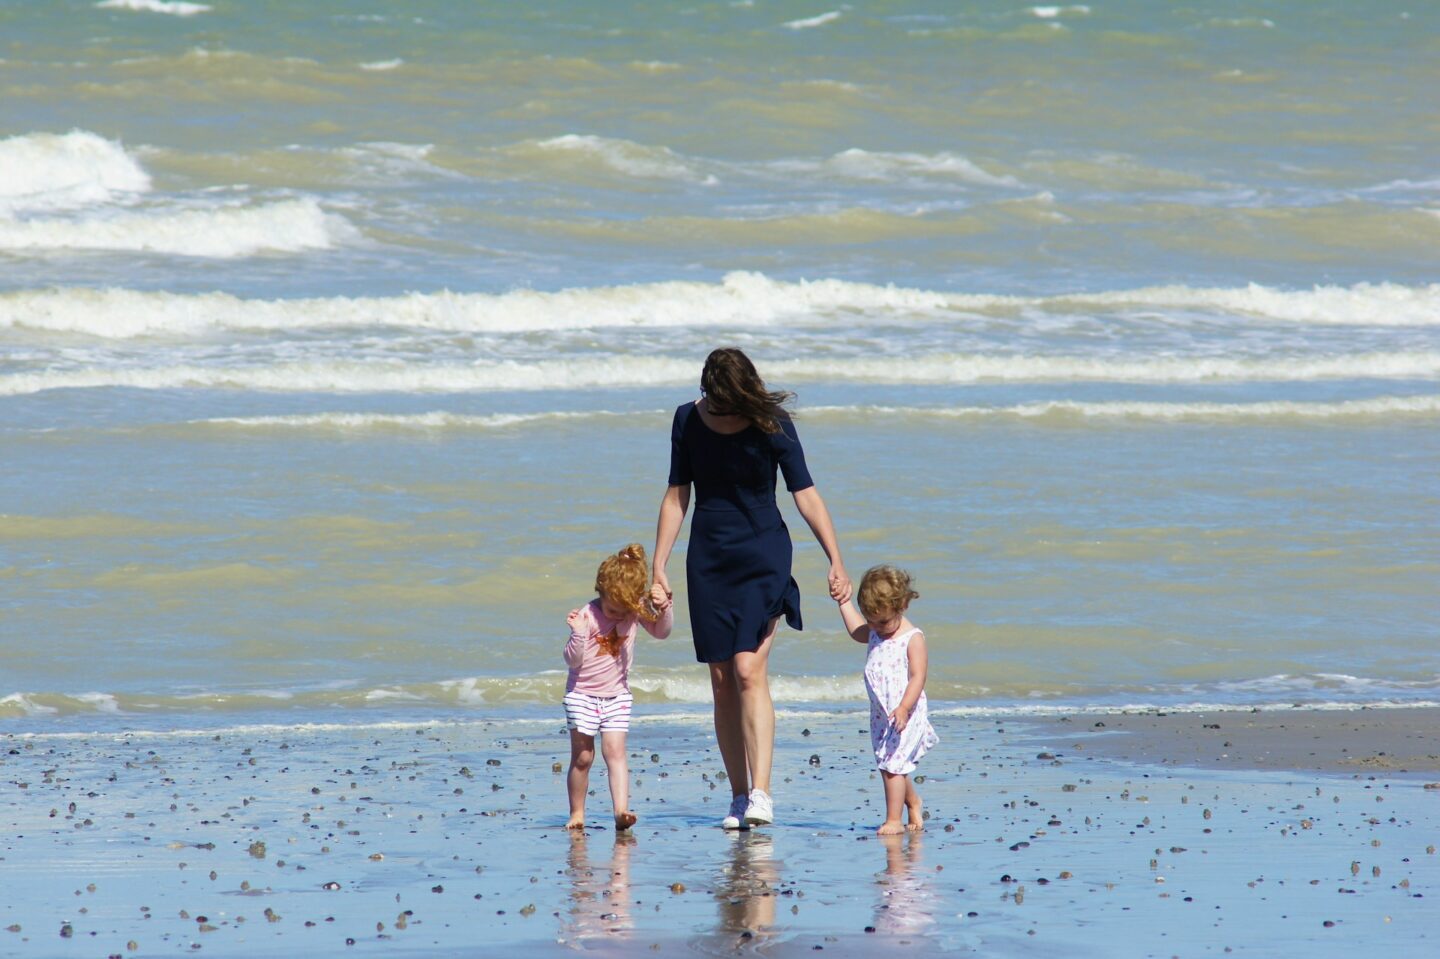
(660, 598)
(839, 583)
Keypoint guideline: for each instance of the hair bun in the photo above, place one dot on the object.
(634, 552)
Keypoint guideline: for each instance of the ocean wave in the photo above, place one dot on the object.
(234, 231)
(631, 159)
(1060, 412)
(811, 22)
(632, 371)
(175, 8)
(1055, 412)
(421, 422)
(857, 164)
(685, 686)
(741, 299)
(1050, 13)
(48, 171)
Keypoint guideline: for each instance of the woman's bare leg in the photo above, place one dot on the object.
(757, 710)
(728, 735)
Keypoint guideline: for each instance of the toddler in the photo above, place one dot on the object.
(895, 665)
(597, 692)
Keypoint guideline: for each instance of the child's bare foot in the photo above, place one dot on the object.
(624, 820)
(917, 816)
(577, 821)
(891, 827)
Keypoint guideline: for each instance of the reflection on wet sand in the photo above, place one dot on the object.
(599, 896)
(746, 890)
(906, 904)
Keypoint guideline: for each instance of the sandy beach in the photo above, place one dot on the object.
(445, 838)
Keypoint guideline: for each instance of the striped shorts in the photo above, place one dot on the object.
(595, 714)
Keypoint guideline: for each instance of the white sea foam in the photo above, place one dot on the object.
(420, 422)
(222, 232)
(816, 21)
(382, 65)
(1071, 411)
(1057, 411)
(870, 165)
(633, 371)
(1050, 13)
(47, 171)
(174, 8)
(740, 300)
(631, 159)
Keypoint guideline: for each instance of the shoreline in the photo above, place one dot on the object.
(445, 838)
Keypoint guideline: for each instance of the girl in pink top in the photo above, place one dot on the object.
(597, 692)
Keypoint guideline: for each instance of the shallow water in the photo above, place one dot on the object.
(337, 344)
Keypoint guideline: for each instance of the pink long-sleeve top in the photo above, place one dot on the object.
(595, 672)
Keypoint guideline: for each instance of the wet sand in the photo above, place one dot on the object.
(445, 839)
(1395, 741)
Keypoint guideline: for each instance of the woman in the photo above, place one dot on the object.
(728, 445)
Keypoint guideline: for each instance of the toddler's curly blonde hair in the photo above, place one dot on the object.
(624, 579)
(884, 591)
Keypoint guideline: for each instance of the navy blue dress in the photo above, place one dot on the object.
(737, 566)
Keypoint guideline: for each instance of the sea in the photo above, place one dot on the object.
(339, 342)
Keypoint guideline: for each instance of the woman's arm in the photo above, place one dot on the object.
(919, 659)
(667, 529)
(812, 507)
(855, 624)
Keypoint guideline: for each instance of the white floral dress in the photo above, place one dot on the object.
(887, 673)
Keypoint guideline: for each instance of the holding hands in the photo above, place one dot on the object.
(839, 583)
(660, 597)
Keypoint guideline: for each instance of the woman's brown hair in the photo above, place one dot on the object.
(733, 387)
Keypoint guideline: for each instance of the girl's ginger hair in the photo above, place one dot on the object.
(885, 590)
(624, 579)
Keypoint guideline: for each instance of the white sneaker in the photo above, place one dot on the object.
(735, 818)
(760, 811)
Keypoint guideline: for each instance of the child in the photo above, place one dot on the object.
(597, 692)
(895, 664)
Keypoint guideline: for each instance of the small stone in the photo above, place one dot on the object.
(437, 888)
(376, 856)
(814, 759)
(529, 910)
(1328, 924)
(66, 931)
(1066, 875)
(331, 886)
(257, 849)
(556, 767)
(677, 887)
(492, 762)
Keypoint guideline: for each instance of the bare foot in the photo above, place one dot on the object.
(917, 817)
(577, 821)
(624, 820)
(891, 827)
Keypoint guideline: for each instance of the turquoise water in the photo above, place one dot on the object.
(337, 340)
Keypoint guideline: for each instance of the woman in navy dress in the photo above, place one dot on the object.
(728, 446)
